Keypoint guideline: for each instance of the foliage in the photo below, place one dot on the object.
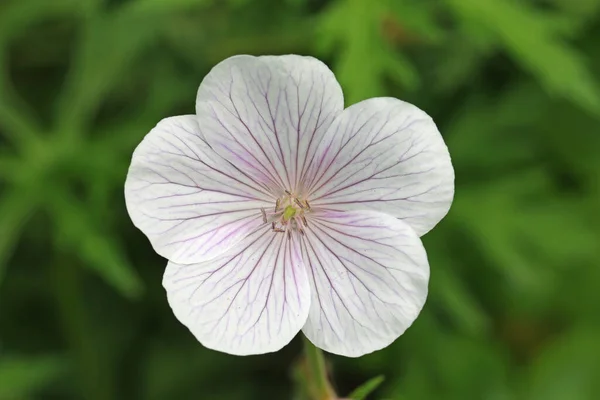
(514, 308)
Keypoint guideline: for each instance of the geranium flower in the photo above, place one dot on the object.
(280, 211)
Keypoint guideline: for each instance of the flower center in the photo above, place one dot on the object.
(289, 214)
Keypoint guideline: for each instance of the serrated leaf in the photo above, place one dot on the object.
(361, 392)
(23, 376)
(400, 69)
(493, 212)
(417, 18)
(509, 132)
(535, 41)
(102, 253)
(108, 45)
(353, 31)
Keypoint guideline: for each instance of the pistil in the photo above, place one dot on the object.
(289, 214)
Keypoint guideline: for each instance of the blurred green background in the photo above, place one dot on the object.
(514, 308)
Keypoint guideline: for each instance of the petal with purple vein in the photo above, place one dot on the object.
(190, 203)
(269, 114)
(251, 300)
(385, 155)
(369, 274)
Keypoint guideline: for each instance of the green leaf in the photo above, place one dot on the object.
(541, 224)
(510, 133)
(569, 368)
(417, 19)
(534, 40)
(16, 121)
(460, 60)
(450, 294)
(15, 208)
(102, 253)
(108, 45)
(8, 165)
(159, 7)
(17, 16)
(499, 208)
(584, 9)
(361, 392)
(22, 376)
(353, 30)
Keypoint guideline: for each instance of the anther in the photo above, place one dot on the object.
(304, 220)
(307, 205)
(289, 233)
(276, 205)
(264, 215)
(287, 192)
(299, 203)
(275, 229)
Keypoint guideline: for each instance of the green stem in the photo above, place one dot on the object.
(317, 373)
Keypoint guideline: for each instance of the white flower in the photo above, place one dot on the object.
(280, 211)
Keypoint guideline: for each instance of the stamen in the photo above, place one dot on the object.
(264, 215)
(289, 214)
(275, 229)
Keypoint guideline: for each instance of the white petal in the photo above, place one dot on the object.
(386, 155)
(269, 113)
(190, 203)
(369, 276)
(253, 299)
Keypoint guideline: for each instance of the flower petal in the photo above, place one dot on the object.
(386, 155)
(191, 204)
(253, 299)
(269, 113)
(369, 276)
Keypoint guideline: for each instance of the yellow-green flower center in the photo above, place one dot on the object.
(289, 213)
